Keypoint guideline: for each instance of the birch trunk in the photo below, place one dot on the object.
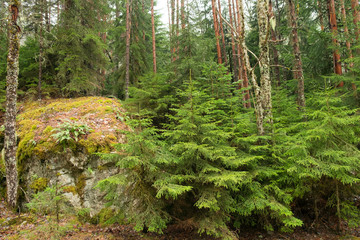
(12, 181)
(274, 50)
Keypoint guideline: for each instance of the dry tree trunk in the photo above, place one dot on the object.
(216, 28)
(12, 182)
(298, 69)
(153, 36)
(127, 57)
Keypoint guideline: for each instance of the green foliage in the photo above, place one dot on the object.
(70, 131)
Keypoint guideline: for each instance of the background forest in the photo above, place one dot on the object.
(244, 113)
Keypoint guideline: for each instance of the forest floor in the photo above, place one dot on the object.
(28, 226)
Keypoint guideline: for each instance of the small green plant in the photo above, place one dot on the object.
(70, 131)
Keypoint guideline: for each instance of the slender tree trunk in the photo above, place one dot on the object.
(321, 18)
(265, 114)
(356, 17)
(183, 24)
(41, 41)
(173, 30)
(216, 28)
(346, 31)
(298, 70)
(235, 66)
(222, 34)
(242, 51)
(153, 36)
(274, 50)
(334, 30)
(127, 57)
(12, 182)
(177, 29)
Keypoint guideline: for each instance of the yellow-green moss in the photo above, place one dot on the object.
(39, 184)
(70, 189)
(80, 185)
(38, 120)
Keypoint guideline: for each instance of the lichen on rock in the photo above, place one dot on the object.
(75, 166)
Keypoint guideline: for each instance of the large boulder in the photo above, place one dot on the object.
(60, 144)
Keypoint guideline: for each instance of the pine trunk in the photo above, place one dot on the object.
(173, 30)
(346, 31)
(153, 36)
(242, 51)
(40, 49)
(223, 46)
(321, 18)
(298, 69)
(216, 28)
(127, 57)
(235, 66)
(356, 17)
(334, 30)
(12, 182)
(183, 15)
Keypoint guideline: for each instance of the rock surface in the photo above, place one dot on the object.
(73, 164)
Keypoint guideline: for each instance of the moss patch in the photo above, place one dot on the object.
(39, 119)
(39, 184)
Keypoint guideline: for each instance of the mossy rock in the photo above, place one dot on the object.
(39, 120)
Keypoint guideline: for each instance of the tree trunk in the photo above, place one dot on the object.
(235, 66)
(321, 18)
(12, 182)
(265, 113)
(274, 50)
(333, 26)
(297, 69)
(127, 57)
(153, 36)
(41, 41)
(216, 28)
(222, 34)
(242, 51)
(173, 30)
(183, 15)
(346, 31)
(356, 17)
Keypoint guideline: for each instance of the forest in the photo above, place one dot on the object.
(231, 115)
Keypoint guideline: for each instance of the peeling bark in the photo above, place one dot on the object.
(12, 181)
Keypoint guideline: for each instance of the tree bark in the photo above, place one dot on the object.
(127, 57)
(265, 113)
(346, 31)
(222, 34)
(297, 69)
(12, 182)
(41, 41)
(356, 17)
(153, 36)
(274, 50)
(334, 30)
(216, 28)
(183, 24)
(242, 51)
(234, 57)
